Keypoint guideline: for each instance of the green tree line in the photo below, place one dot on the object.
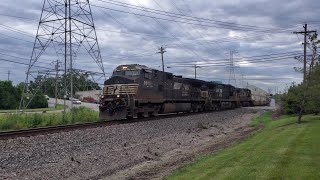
(304, 98)
(10, 97)
(81, 82)
(292, 99)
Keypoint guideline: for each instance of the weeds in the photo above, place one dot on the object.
(22, 121)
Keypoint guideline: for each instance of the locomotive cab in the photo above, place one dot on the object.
(119, 92)
(123, 91)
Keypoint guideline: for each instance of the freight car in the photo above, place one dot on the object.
(259, 97)
(136, 90)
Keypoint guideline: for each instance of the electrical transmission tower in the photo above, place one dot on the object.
(232, 76)
(65, 28)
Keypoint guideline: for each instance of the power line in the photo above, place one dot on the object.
(18, 17)
(187, 32)
(250, 58)
(167, 29)
(7, 60)
(31, 35)
(226, 64)
(160, 18)
(185, 17)
(21, 58)
(16, 38)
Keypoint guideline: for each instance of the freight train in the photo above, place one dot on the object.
(138, 91)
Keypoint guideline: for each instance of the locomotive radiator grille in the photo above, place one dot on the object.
(120, 89)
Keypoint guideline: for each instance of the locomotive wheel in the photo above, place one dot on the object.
(154, 113)
(145, 114)
(139, 115)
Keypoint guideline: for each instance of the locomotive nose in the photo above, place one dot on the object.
(117, 105)
(110, 108)
(114, 110)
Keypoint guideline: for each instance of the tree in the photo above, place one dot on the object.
(10, 96)
(305, 97)
(307, 82)
(81, 83)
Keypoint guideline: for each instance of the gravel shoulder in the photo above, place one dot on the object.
(142, 150)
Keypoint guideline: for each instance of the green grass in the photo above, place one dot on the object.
(282, 150)
(59, 107)
(22, 121)
(262, 119)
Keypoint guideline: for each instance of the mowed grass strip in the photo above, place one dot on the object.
(282, 150)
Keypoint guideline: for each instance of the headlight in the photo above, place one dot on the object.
(102, 97)
(118, 96)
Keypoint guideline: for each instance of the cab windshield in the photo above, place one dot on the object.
(127, 73)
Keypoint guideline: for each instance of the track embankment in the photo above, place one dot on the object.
(138, 150)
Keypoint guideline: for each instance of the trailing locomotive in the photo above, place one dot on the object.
(136, 90)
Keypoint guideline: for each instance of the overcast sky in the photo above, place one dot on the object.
(131, 36)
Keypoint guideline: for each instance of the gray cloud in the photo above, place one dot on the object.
(126, 38)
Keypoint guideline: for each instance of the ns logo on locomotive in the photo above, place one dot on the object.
(136, 90)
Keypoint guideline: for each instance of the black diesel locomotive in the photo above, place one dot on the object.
(136, 90)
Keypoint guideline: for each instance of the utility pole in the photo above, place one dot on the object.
(305, 82)
(195, 71)
(65, 56)
(70, 51)
(305, 32)
(9, 75)
(56, 86)
(162, 51)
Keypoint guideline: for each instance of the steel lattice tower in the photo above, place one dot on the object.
(232, 76)
(65, 27)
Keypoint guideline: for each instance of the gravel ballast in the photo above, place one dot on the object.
(119, 151)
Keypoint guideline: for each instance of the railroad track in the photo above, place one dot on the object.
(71, 127)
(50, 129)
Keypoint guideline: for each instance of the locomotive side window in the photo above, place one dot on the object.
(219, 92)
(169, 76)
(147, 75)
(160, 87)
(155, 73)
